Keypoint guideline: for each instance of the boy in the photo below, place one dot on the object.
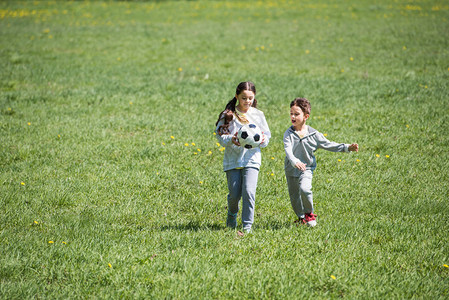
(300, 143)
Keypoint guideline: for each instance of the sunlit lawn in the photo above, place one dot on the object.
(111, 181)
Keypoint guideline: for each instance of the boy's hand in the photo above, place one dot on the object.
(301, 166)
(354, 147)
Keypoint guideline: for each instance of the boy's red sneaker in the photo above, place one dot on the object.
(310, 219)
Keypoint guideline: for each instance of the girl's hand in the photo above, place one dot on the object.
(235, 140)
(301, 166)
(354, 147)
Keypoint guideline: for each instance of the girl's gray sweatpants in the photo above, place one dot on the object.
(300, 192)
(242, 183)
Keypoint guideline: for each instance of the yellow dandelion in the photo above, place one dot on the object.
(222, 149)
(64, 243)
(163, 144)
(47, 30)
(36, 222)
(307, 51)
(407, 126)
(50, 36)
(218, 144)
(214, 133)
(119, 58)
(377, 155)
(272, 174)
(193, 144)
(243, 47)
(325, 134)
(51, 242)
(180, 69)
(130, 103)
(333, 277)
(446, 266)
(186, 144)
(351, 58)
(201, 182)
(22, 183)
(357, 160)
(387, 156)
(199, 150)
(59, 136)
(209, 152)
(262, 47)
(404, 48)
(172, 137)
(196, 153)
(29, 123)
(272, 157)
(339, 160)
(342, 70)
(109, 265)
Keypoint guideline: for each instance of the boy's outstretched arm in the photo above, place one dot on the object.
(354, 147)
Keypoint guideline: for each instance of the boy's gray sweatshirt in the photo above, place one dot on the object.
(302, 149)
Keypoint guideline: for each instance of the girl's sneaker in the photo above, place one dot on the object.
(310, 219)
(245, 231)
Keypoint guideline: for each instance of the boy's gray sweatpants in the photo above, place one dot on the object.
(300, 191)
(242, 183)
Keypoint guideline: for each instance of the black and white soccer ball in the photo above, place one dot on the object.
(250, 136)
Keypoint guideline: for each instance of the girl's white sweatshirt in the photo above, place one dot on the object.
(240, 157)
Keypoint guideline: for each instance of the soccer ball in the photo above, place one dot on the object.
(250, 136)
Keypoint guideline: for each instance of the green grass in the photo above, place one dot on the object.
(97, 200)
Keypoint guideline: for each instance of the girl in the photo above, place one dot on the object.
(240, 164)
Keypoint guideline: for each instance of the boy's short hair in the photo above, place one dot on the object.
(303, 104)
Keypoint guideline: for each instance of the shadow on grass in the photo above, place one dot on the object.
(193, 226)
(197, 226)
(275, 225)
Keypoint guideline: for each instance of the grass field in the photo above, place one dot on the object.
(111, 182)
